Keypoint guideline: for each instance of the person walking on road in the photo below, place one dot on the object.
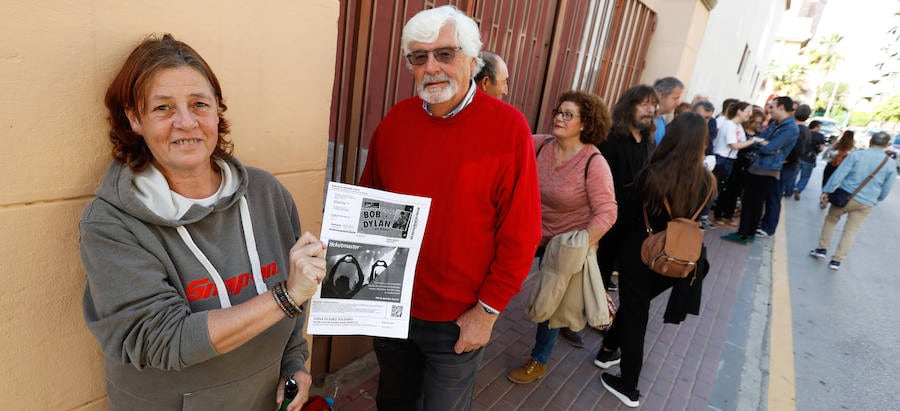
(866, 176)
(674, 178)
(836, 154)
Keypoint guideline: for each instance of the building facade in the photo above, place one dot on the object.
(737, 44)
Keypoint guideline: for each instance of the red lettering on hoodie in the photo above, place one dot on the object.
(195, 289)
(235, 284)
(269, 270)
(205, 288)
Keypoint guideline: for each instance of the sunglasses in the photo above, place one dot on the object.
(443, 55)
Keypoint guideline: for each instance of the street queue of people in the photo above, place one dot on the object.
(176, 207)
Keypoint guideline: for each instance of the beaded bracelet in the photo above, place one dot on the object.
(285, 302)
(278, 301)
(294, 307)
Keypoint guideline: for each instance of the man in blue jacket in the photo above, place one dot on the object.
(780, 138)
(849, 176)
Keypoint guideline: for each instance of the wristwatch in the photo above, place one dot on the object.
(487, 309)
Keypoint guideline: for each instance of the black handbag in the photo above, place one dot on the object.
(840, 197)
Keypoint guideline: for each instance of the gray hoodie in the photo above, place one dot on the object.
(148, 291)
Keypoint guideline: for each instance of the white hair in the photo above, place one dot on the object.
(425, 27)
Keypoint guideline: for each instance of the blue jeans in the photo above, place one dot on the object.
(544, 340)
(788, 177)
(806, 169)
(773, 205)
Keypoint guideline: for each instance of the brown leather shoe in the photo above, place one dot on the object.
(532, 370)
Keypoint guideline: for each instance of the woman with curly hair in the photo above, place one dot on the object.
(577, 195)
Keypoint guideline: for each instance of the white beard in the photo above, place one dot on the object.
(436, 94)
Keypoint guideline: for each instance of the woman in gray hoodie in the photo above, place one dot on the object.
(196, 266)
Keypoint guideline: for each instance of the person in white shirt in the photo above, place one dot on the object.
(730, 139)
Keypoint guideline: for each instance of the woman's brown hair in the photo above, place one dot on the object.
(757, 117)
(675, 171)
(594, 115)
(734, 108)
(846, 142)
(128, 88)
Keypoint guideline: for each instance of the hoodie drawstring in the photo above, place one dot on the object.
(253, 254)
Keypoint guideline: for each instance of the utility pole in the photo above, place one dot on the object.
(834, 87)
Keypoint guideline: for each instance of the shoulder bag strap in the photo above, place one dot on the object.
(541, 147)
(669, 210)
(702, 206)
(647, 220)
(869, 178)
(588, 165)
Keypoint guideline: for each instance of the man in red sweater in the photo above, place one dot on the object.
(473, 156)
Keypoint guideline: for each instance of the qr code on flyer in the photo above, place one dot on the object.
(396, 311)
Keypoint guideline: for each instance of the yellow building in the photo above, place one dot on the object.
(275, 62)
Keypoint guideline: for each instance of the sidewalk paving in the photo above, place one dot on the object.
(681, 362)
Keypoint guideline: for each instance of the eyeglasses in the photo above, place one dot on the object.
(441, 54)
(566, 115)
(651, 106)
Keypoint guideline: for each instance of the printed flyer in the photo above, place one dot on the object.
(373, 239)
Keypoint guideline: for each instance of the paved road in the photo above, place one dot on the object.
(845, 323)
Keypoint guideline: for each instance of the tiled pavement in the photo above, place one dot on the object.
(680, 364)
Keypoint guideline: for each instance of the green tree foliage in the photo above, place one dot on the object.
(889, 110)
(824, 57)
(787, 79)
(840, 97)
(860, 118)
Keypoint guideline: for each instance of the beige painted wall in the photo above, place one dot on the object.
(275, 61)
(676, 42)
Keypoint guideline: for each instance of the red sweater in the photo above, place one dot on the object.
(478, 169)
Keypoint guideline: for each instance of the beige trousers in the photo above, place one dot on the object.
(856, 214)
